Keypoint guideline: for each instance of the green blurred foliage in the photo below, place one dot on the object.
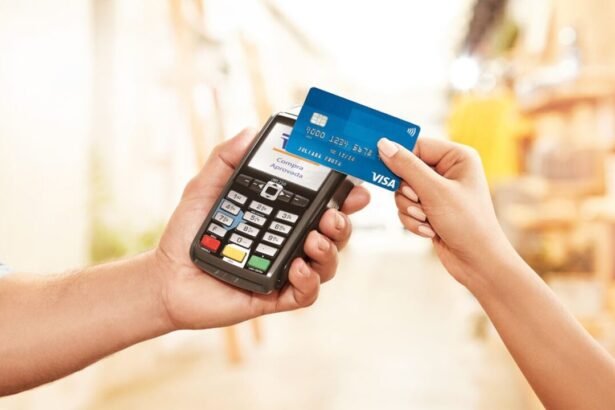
(109, 243)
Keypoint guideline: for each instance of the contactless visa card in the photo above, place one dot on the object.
(343, 135)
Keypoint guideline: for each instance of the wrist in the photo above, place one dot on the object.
(497, 265)
(156, 269)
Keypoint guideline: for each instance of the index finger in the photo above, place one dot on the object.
(434, 151)
(357, 199)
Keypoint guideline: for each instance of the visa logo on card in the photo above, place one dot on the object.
(343, 135)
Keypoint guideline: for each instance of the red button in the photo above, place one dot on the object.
(210, 243)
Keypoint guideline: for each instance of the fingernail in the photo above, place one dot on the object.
(303, 268)
(387, 148)
(409, 193)
(340, 222)
(416, 213)
(426, 231)
(323, 244)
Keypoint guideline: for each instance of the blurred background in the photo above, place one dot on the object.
(108, 107)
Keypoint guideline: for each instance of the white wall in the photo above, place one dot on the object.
(44, 98)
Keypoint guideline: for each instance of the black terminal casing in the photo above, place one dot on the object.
(331, 194)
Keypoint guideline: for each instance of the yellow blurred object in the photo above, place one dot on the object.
(494, 125)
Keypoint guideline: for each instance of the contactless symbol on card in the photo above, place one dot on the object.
(343, 135)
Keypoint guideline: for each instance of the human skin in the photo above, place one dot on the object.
(54, 325)
(444, 196)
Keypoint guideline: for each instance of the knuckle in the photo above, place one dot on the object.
(332, 249)
(471, 153)
(218, 149)
(330, 214)
(191, 186)
(402, 158)
(312, 237)
(327, 220)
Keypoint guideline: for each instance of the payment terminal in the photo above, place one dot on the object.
(258, 225)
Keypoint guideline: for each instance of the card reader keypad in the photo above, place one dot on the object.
(217, 230)
(241, 240)
(230, 207)
(237, 197)
(252, 223)
(223, 219)
(260, 207)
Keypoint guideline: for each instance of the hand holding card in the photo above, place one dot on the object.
(343, 135)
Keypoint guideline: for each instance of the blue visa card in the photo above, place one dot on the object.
(343, 135)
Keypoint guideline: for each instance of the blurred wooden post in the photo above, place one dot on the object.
(256, 330)
(232, 344)
(186, 80)
(257, 80)
(186, 76)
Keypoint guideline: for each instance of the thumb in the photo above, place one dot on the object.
(220, 165)
(407, 166)
(227, 155)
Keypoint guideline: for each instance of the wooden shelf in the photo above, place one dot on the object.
(593, 85)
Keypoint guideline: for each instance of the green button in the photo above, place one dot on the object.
(259, 263)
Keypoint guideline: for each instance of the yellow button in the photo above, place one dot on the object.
(233, 253)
